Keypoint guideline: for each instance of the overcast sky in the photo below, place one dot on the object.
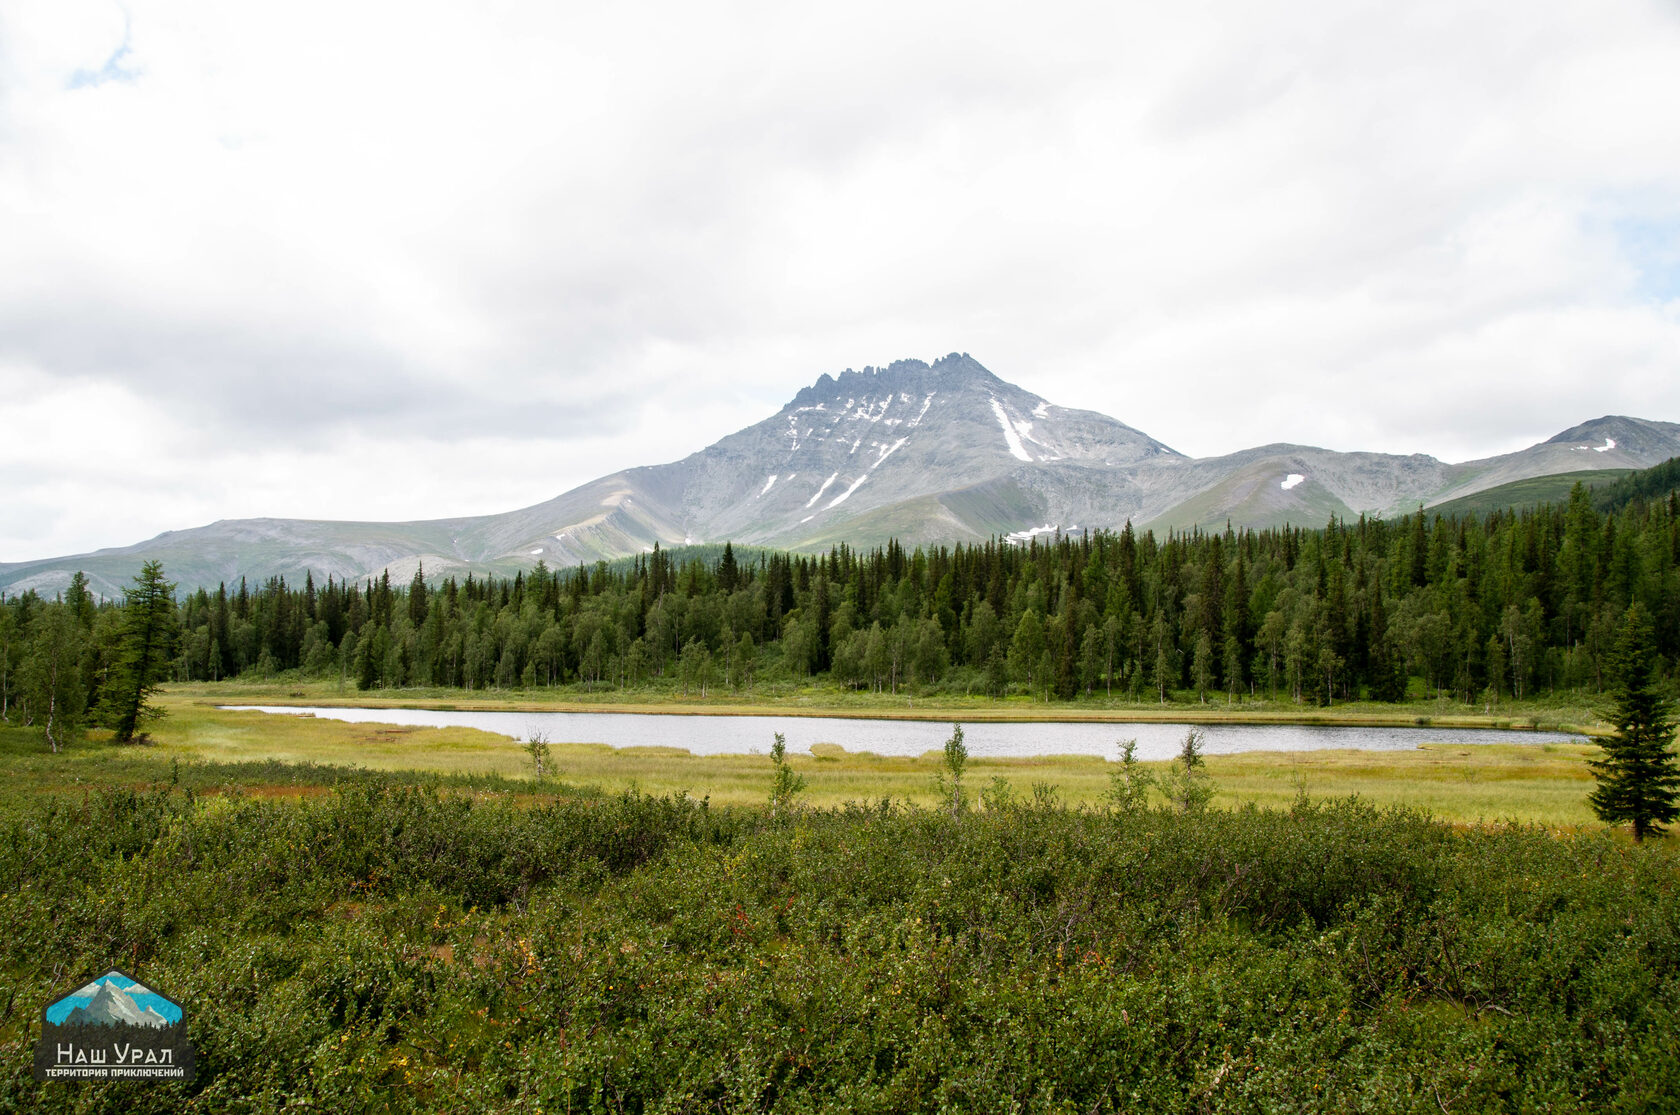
(406, 260)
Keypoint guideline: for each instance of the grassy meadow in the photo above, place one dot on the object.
(1491, 783)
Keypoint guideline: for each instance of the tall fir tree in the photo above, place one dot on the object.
(728, 572)
(1639, 776)
(143, 652)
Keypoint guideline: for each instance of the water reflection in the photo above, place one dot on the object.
(724, 735)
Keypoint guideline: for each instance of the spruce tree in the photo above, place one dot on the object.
(1638, 778)
(728, 572)
(143, 652)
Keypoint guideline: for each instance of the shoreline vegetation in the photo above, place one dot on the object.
(220, 751)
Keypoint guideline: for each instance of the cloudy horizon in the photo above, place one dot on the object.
(390, 262)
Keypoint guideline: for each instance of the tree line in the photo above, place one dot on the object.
(1514, 604)
(68, 660)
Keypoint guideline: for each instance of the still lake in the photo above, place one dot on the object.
(736, 735)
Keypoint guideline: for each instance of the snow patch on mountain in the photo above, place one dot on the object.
(768, 484)
(868, 413)
(1291, 480)
(1010, 436)
(841, 498)
(793, 432)
(1030, 533)
(887, 451)
(813, 500)
(927, 402)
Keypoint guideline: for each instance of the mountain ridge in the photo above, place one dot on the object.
(925, 453)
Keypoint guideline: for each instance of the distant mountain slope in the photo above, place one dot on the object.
(1299, 484)
(1529, 493)
(253, 548)
(925, 453)
(1276, 484)
(1657, 482)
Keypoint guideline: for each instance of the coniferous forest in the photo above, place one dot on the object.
(1513, 604)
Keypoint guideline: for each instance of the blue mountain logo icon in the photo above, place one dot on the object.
(113, 1028)
(114, 998)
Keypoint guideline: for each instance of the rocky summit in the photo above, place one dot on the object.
(925, 453)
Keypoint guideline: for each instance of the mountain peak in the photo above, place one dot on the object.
(1618, 434)
(950, 372)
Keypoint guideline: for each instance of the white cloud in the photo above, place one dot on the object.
(375, 260)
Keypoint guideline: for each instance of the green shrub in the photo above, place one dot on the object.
(404, 947)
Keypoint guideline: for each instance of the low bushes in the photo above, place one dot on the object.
(402, 947)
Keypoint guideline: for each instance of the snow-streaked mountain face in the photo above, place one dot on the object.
(924, 453)
(846, 450)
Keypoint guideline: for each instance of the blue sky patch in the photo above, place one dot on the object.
(1652, 245)
(116, 67)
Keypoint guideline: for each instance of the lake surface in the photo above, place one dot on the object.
(735, 735)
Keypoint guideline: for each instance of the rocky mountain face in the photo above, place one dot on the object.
(925, 453)
(938, 453)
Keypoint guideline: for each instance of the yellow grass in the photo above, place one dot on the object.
(1465, 783)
